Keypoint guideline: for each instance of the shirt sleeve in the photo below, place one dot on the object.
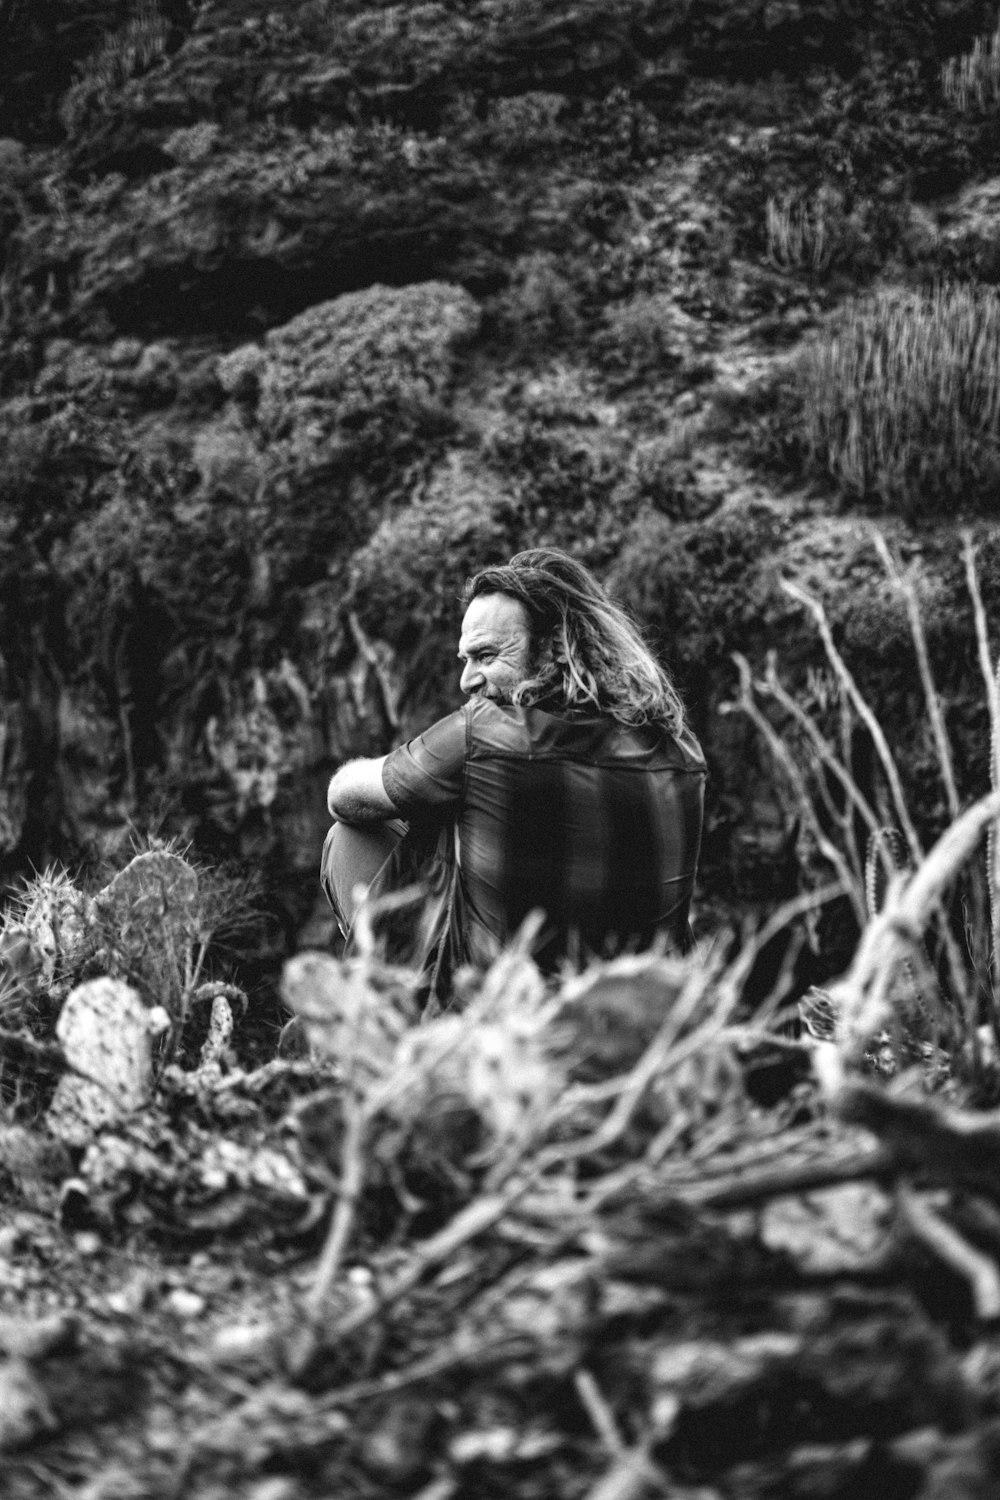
(428, 772)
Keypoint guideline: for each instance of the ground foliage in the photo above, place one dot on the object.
(602, 1234)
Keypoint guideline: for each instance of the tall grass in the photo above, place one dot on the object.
(972, 80)
(123, 55)
(900, 399)
(800, 232)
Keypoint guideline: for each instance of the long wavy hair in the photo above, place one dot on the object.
(586, 652)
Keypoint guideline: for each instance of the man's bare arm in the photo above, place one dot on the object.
(356, 793)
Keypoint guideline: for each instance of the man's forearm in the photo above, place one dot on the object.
(356, 793)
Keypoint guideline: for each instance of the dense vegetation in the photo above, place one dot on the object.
(308, 312)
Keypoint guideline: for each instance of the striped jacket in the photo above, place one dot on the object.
(596, 824)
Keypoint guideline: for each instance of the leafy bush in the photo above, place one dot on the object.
(188, 559)
(665, 478)
(157, 590)
(647, 333)
(703, 588)
(540, 307)
(900, 399)
(873, 145)
(526, 126)
(316, 213)
(571, 485)
(193, 143)
(385, 351)
(339, 412)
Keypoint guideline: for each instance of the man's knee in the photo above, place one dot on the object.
(353, 854)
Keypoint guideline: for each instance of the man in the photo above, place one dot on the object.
(568, 783)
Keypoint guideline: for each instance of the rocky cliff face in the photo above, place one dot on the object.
(309, 311)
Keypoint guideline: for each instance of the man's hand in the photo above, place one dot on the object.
(356, 793)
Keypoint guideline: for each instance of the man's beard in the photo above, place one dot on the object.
(503, 696)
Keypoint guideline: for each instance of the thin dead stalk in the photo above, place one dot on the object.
(738, 972)
(897, 931)
(945, 1242)
(942, 744)
(746, 1188)
(837, 766)
(467, 1225)
(663, 1055)
(806, 804)
(455, 1356)
(352, 1180)
(864, 712)
(991, 683)
(630, 1477)
(632, 1471)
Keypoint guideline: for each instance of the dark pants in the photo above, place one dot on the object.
(353, 854)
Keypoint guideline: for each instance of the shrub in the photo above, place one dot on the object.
(646, 333)
(338, 414)
(193, 143)
(572, 485)
(384, 351)
(525, 126)
(703, 588)
(665, 478)
(49, 469)
(541, 305)
(900, 399)
(157, 586)
(227, 459)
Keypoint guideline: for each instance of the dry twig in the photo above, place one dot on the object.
(945, 1242)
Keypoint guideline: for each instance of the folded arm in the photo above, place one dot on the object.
(356, 793)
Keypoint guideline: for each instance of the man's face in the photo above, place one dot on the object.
(495, 647)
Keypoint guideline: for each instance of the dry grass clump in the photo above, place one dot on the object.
(972, 80)
(802, 232)
(124, 54)
(900, 399)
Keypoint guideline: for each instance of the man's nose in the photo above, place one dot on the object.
(471, 678)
